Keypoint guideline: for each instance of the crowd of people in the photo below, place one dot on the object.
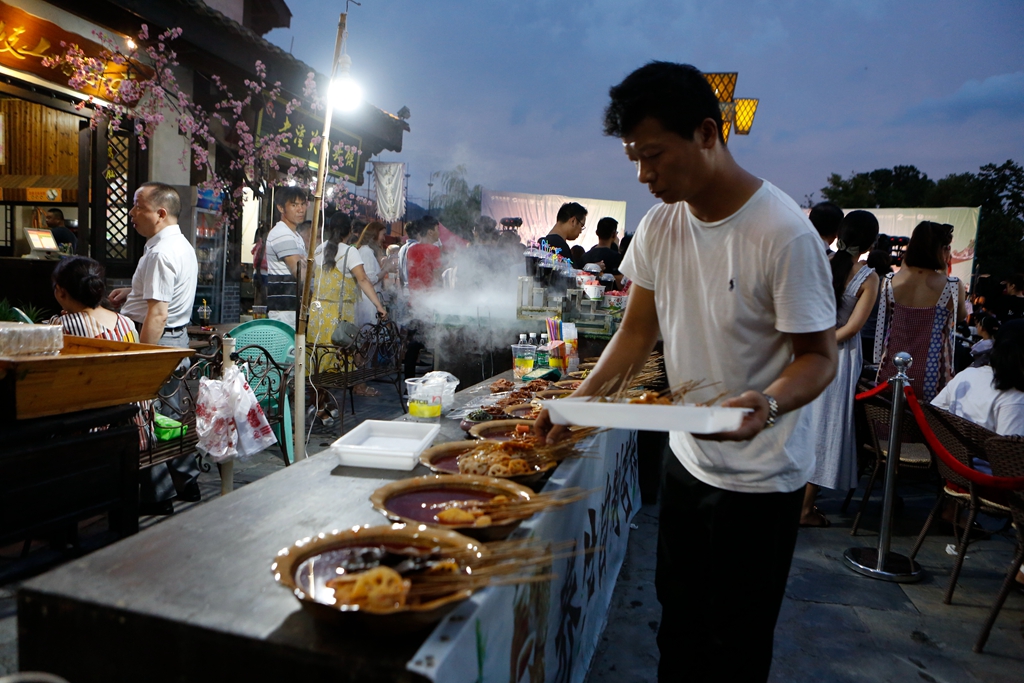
(726, 270)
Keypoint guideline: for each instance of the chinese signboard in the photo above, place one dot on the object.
(305, 128)
(26, 39)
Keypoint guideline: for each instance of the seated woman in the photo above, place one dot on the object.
(918, 309)
(987, 326)
(79, 287)
(991, 395)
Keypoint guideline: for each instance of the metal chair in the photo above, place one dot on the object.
(876, 407)
(955, 443)
(265, 351)
(1006, 456)
(276, 337)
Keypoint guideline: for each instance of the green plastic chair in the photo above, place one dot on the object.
(21, 316)
(278, 339)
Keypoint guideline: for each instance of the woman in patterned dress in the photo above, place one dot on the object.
(918, 311)
(856, 289)
(335, 290)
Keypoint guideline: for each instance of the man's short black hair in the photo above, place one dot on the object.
(1017, 280)
(289, 193)
(163, 196)
(826, 217)
(676, 95)
(570, 210)
(56, 212)
(1007, 359)
(607, 227)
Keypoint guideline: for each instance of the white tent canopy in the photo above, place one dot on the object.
(538, 212)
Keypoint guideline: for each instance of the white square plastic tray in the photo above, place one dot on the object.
(383, 444)
(654, 418)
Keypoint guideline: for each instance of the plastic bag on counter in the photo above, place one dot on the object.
(451, 381)
(24, 339)
(229, 420)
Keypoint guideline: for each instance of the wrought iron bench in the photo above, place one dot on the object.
(376, 354)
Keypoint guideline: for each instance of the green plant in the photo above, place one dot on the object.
(8, 313)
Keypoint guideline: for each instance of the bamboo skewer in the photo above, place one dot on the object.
(517, 508)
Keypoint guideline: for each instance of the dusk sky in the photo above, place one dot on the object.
(515, 90)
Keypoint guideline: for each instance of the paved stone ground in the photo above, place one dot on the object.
(835, 625)
(838, 626)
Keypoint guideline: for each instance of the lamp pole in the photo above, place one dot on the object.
(299, 420)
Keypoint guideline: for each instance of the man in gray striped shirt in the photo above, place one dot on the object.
(286, 255)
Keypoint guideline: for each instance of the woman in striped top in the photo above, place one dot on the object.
(79, 287)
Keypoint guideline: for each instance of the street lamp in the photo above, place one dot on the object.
(345, 94)
(737, 113)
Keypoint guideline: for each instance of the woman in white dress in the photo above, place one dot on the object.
(856, 288)
(371, 250)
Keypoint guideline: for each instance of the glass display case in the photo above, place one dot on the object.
(210, 241)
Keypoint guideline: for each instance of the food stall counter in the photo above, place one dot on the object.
(193, 597)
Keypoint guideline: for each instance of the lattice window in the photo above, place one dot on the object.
(118, 201)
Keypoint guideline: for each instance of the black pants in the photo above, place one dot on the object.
(723, 560)
(180, 475)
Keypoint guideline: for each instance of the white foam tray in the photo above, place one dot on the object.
(384, 444)
(654, 418)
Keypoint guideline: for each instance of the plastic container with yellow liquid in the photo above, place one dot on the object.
(425, 397)
(523, 356)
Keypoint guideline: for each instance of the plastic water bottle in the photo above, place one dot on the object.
(533, 338)
(542, 353)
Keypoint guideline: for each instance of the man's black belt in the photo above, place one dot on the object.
(172, 330)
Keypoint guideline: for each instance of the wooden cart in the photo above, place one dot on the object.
(88, 373)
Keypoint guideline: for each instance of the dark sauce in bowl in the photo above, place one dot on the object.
(422, 505)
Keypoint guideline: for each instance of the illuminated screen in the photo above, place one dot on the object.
(40, 239)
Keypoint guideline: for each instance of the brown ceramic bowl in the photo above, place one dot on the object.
(444, 459)
(401, 501)
(295, 569)
(520, 411)
(497, 430)
(552, 394)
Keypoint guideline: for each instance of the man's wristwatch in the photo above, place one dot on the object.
(773, 411)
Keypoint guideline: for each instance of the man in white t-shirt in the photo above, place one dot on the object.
(731, 273)
(286, 255)
(160, 303)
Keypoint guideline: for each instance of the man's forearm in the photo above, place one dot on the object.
(802, 381)
(152, 329)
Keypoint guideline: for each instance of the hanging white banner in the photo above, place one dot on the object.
(389, 177)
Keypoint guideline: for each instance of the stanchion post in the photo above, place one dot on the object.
(881, 562)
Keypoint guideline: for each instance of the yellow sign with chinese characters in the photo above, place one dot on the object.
(25, 40)
(305, 128)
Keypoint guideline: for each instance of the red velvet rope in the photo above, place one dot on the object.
(872, 392)
(970, 474)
